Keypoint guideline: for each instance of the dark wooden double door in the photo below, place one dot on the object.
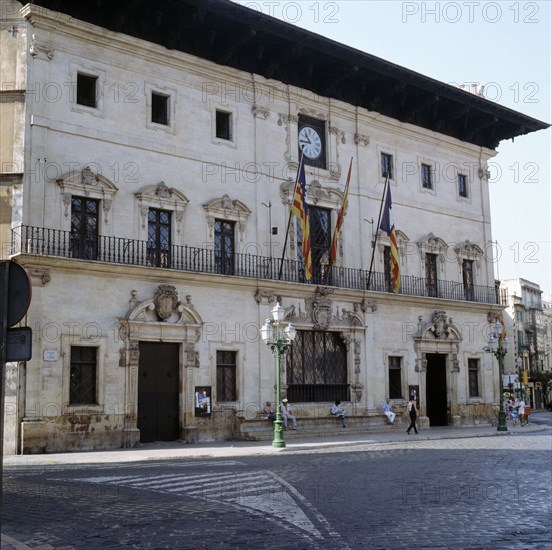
(158, 392)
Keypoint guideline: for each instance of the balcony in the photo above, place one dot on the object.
(55, 243)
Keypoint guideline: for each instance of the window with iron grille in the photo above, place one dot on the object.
(467, 279)
(431, 275)
(87, 90)
(473, 374)
(224, 246)
(84, 228)
(462, 185)
(226, 376)
(395, 377)
(427, 182)
(316, 367)
(82, 376)
(387, 165)
(159, 238)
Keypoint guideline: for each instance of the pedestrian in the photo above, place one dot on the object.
(388, 412)
(521, 412)
(339, 411)
(269, 411)
(413, 413)
(285, 409)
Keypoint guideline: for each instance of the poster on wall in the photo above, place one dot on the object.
(414, 391)
(203, 401)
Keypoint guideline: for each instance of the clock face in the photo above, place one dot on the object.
(310, 142)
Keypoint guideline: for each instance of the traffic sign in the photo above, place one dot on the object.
(19, 344)
(19, 293)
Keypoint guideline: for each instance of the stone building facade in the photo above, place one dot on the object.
(147, 192)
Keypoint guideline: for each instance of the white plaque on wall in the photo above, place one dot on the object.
(50, 355)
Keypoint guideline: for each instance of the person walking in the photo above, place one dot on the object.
(413, 413)
(521, 412)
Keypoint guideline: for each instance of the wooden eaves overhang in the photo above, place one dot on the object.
(229, 34)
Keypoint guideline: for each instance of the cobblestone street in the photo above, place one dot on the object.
(475, 492)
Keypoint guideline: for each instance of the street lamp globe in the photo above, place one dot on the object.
(278, 313)
(267, 331)
(290, 332)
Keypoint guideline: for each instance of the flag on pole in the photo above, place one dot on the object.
(300, 209)
(388, 226)
(341, 213)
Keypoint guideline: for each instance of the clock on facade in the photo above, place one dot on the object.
(312, 140)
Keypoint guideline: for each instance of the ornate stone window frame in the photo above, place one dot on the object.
(433, 245)
(469, 251)
(402, 242)
(228, 209)
(100, 342)
(86, 183)
(165, 198)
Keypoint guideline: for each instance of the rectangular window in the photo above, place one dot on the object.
(160, 108)
(83, 372)
(431, 275)
(226, 376)
(87, 90)
(159, 238)
(320, 237)
(224, 247)
(467, 276)
(84, 228)
(473, 374)
(224, 125)
(462, 185)
(427, 182)
(395, 381)
(387, 166)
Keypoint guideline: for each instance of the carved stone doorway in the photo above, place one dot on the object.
(158, 392)
(436, 389)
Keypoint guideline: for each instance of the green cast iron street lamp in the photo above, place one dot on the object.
(278, 337)
(498, 346)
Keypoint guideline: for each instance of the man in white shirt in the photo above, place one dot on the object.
(285, 408)
(388, 412)
(339, 411)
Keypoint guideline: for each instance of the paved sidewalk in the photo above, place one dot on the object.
(225, 449)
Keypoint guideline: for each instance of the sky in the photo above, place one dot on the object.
(505, 46)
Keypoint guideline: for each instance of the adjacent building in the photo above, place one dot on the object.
(148, 164)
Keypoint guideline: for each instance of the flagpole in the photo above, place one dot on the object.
(290, 214)
(376, 234)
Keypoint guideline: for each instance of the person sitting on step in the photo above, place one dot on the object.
(339, 411)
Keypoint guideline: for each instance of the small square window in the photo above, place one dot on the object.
(427, 182)
(462, 185)
(160, 108)
(87, 90)
(387, 166)
(224, 125)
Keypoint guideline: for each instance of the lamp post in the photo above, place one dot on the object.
(278, 337)
(498, 346)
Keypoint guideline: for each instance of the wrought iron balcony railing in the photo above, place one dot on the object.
(115, 250)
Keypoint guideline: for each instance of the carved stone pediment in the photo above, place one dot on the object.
(87, 183)
(164, 197)
(227, 209)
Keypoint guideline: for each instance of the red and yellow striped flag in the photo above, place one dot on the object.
(341, 213)
(300, 209)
